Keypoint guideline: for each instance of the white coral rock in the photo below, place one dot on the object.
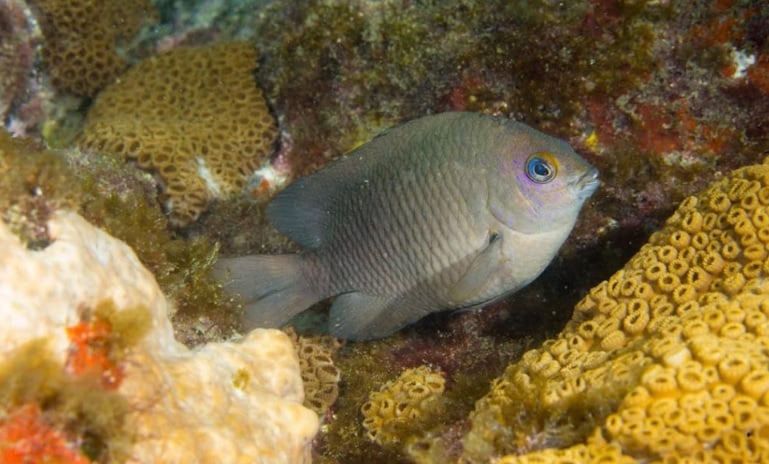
(225, 402)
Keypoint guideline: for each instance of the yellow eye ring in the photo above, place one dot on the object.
(541, 167)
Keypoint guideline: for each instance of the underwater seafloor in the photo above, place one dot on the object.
(168, 125)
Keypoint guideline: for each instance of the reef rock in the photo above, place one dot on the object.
(226, 402)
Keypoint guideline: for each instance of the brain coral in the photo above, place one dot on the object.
(225, 402)
(81, 39)
(666, 361)
(195, 116)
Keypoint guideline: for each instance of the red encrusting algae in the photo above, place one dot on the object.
(90, 351)
(26, 438)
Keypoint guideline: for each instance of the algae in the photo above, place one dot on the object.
(77, 405)
(120, 199)
(367, 65)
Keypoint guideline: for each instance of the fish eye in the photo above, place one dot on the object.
(540, 168)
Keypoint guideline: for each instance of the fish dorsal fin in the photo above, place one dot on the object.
(477, 276)
(305, 209)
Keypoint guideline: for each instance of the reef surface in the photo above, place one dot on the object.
(667, 99)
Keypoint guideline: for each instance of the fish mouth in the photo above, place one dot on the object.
(587, 183)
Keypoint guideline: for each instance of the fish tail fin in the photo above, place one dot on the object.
(271, 286)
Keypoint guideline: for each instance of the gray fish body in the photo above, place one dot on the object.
(439, 213)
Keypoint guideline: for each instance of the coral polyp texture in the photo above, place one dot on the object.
(403, 407)
(82, 52)
(603, 453)
(320, 376)
(89, 367)
(195, 116)
(666, 360)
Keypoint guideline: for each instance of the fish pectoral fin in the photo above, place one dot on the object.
(477, 276)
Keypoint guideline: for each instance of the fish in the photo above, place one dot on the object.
(449, 211)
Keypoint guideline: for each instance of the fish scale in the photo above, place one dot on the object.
(444, 212)
(398, 233)
(414, 235)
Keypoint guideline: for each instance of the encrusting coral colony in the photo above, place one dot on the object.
(400, 407)
(320, 376)
(81, 39)
(193, 115)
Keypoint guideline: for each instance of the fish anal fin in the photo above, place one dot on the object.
(475, 280)
(353, 315)
(271, 287)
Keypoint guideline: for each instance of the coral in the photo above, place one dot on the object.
(193, 115)
(87, 290)
(668, 358)
(403, 407)
(82, 39)
(320, 377)
(602, 453)
(470, 349)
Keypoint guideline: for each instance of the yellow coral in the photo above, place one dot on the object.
(81, 37)
(685, 371)
(320, 376)
(193, 115)
(402, 406)
(605, 454)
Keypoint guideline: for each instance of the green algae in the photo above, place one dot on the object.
(118, 198)
(127, 326)
(557, 56)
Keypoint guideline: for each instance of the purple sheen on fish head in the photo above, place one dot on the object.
(539, 183)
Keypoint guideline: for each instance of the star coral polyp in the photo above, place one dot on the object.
(401, 407)
(320, 377)
(82, 37)
(666, 360)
